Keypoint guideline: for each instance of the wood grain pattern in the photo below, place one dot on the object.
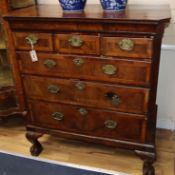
(93, 34)
(117, 27)
(4, 6)
(144, 19)
(17, 79)
(94, 94)
(90, 44)
(9, 104)
(127, 71)
(91, 123)
(142, 47)
(135, 13)
(7, 98)
(92, 155)
(44, 41)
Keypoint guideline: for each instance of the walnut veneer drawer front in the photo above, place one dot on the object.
(89, 121)
(121, 98)
(40, 41)
(91, 68)
(95, 79)
(127, 47)
(80, 44)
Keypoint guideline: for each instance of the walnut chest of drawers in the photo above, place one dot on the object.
(95, 78)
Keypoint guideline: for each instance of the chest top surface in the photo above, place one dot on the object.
(144, 13)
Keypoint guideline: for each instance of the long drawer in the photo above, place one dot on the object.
(107, 96)
(100, 123)
(89, 68)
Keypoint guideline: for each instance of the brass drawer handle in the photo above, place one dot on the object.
(78, 61)
(31, 39)
(115, 99)
(53, 89)
(83, 111)
(50, 63)
(110, 124)
(76, 41)
(109, 69)
(58, 116)
(126, 44)
(80, 86)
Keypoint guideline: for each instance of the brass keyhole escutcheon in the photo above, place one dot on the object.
(80, 86)
(76, 41)
(53, 89)
(78, 61)
(110, 124)
(58, 116)
(115, 99)
(83, 111)
(109, 69)
(50, 63)
(126, 44)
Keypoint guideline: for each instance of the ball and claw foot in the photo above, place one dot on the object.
(148, 168)
(36, 147)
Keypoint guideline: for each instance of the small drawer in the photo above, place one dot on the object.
(79, 44)
(107, 96)
(89, 121)
(40, 41)
(127, 47)
(7, 99)
(89, 68)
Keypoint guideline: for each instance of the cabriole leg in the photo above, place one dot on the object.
(36, 147)
(148, 158)
(148, 168)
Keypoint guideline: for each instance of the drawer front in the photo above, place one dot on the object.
(127, 47)
(91, 68)
(40, 41)
(80, 44)
(7, 99)
(120, 98)
(89, 121)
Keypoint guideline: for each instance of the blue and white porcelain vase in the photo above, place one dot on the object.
(113, 5)
(72, 5)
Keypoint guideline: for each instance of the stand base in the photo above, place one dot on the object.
(148, 157)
